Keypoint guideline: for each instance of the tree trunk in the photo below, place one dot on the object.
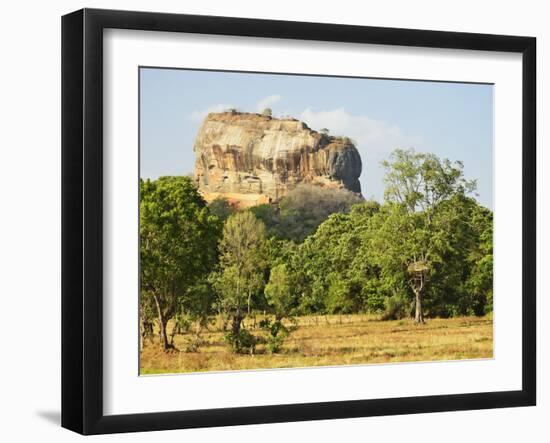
(162, 325)
(236, 325)
(141, 334)
(418, 315)
(175, 330)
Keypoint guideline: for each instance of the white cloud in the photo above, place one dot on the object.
(266, 102)
(376, 135)
(198, 116)
(375, 140)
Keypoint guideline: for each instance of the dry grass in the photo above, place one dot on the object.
(335, 340)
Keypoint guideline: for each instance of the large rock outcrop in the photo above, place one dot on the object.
(251, 158)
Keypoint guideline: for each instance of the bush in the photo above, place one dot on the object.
(374, 295)
(193, 344)
(396, 307)
(375, 302)
(274, 344)
(277, 334)
(242, 343)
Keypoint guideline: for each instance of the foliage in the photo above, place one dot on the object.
(178, 247)
(479, 284)
(279, 291)
(420, 225)
(281, 296)
(275, 340)
(395, 307)
(221, 208)
(304, 209)
(339, 274)
(269, 216)
(426, 250)
(241, 342)
(241, 274)
(421, 181)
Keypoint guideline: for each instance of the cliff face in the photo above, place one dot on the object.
(252, 159)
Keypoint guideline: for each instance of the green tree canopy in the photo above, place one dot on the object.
(221, 208)
(178, 245)
(242, 268)
(413, 236)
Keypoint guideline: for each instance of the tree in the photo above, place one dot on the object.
(480, 258)
(147, 314)
(420, 181)
(178, 245)
(413, 236)
(281, 296)
(267, 112)
(307, 206)
(194, 307)
(221, 208)
(242, 270)
(340, 299)
(336, 262)
(279, 291)
(269, 215)
(324, 131)
(303, 209)
(319, 259)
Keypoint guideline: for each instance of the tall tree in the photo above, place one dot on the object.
(480, 258)
(178, 245)
(414, 232)
(242, 271)
(281, 293)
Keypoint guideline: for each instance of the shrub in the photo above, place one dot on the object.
(375, 302)
(277, 332)
(274, 344)
(193, 344)
(396, 307)
(242, 343)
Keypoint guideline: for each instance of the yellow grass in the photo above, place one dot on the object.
(334, 340)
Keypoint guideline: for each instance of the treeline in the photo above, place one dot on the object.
(426, 251)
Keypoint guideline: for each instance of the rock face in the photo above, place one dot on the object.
(251, 159)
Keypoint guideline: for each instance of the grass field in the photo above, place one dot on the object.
(334, 340)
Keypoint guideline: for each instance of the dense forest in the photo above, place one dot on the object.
(424, 252)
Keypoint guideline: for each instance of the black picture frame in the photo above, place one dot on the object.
(82, 218)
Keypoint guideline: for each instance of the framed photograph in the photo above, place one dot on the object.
(269, 221)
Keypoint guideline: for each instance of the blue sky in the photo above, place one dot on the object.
(451, 120)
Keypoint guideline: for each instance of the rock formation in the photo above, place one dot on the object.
(251, 158)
